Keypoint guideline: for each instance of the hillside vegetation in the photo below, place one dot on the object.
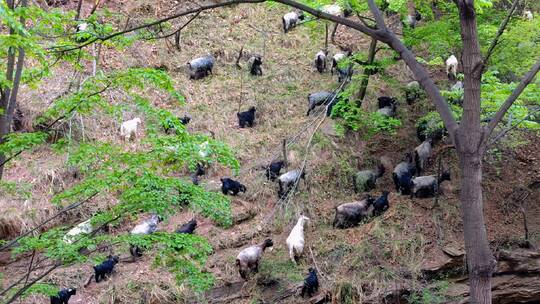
(412, 253)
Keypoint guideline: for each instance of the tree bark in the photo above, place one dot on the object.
(480, 261)
(468, 142)
(367, 71)
(8, 100)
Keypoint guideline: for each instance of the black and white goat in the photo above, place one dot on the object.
(364, 181)
(63, 296)
(255, 65)
(403, 173)
(201, 67)
(451, 67)
(248, 259)
(422, 155)
(232, 187)
(320, 61)
(350, 214)
(318, 99)
(428, 186)
(291, 19)
(289, 179)
(148, 226)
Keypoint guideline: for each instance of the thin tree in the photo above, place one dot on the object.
(8, 95)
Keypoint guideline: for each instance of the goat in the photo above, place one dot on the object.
(412, 92)
(451, 67)
(389, 111)
(248, 259)
(428, 186)
(148, 226)
(385, 101)
(336, 10)
(256, 63)
(246, 118)
(201, 67)
(311, 283)
(288, 179)
(230, 186)
(188, 227)
(422, 155)
(81, 228)
(295, 241)
(381, 204)
(317, 99)
(272, 171)
(403, 173)
(291, 19)
(63, 296)
(105, 268)
(365, 180)
(336, 59)
(320, 61)
(350, 214)
(128, 129)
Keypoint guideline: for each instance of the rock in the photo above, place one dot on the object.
(515, 280)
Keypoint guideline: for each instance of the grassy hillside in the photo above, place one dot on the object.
(381, 257)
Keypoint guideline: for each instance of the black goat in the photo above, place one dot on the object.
(63, 296)
(381, 204)
(230, 186)
(188, 227)
(105, 268)
(311, 283)
(272, 171)
(246, 118)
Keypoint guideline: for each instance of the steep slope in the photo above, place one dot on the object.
(380, 257)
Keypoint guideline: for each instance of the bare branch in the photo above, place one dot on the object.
(510, 128)
(70, 207)
(317, 13)
(500, 31)
(377, 14)
(510, 101)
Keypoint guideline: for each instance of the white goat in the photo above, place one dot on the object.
(295, 241)
(451, 67)
(82, 228)
(129, 128)
(528, 15)
(146, 227)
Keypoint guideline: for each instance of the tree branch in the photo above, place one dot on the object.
(510, 128)
(70, 207)
(344, 21)
(510, 101)
(500, 31)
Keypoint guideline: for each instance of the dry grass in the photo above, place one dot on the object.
(371, 256)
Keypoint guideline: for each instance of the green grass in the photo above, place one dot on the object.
(279, 266)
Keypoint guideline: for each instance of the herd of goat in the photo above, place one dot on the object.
(406, 175)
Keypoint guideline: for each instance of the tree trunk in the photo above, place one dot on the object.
(469, 139)
(368, 71)
(480, 261)
(8, 98)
